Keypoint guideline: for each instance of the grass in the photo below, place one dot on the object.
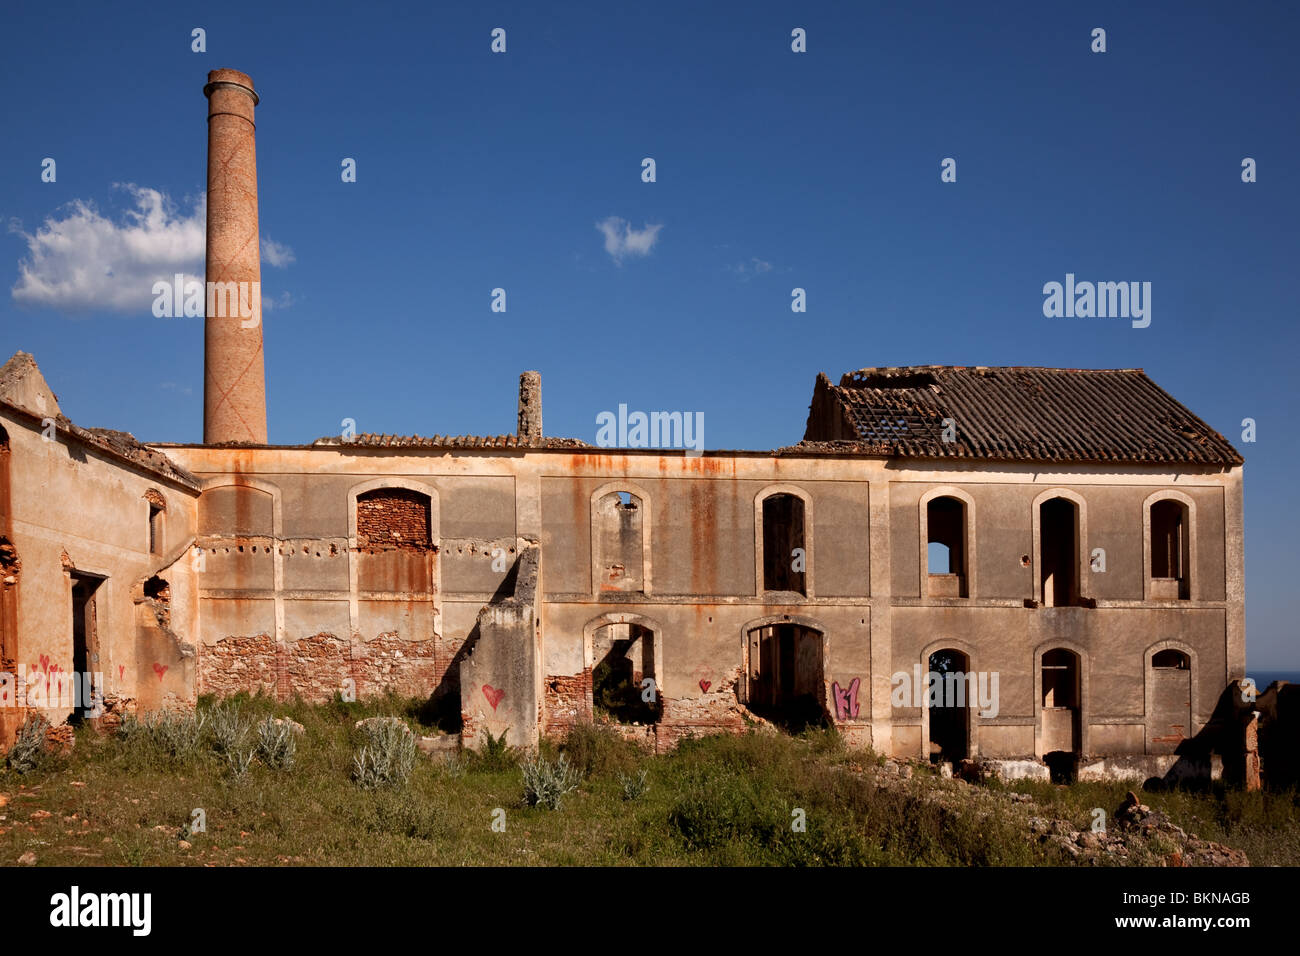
(727, 800)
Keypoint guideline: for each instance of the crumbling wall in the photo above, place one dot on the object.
(498, 679)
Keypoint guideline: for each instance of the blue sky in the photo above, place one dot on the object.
(775, 170)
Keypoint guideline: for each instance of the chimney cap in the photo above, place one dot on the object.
(218, 78)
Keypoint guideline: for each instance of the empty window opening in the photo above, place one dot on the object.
(157, 507)
(945, 520)
(625, 661)
(949, 706)
(1060, 726)
(784, 555)
(1169, 549)
(394, 518)
(620, 542)
(85, 641)
(1058, 552)
(786, 677)
(1173, 659)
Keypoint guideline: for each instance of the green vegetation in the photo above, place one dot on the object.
(760, 798)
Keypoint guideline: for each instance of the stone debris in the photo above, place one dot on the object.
(1138, 835)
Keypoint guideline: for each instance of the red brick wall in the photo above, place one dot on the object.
(393, 518)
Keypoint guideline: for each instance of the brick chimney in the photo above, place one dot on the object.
(530, 407)
(234, 376)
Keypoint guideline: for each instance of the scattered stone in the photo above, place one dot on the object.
(436, 746)
(297, 728)
(184, 845)
(27, 859)
(380, 721)
(41, 814)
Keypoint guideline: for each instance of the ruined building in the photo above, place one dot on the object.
(1073, 538)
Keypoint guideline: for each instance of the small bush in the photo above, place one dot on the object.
(400, 813)
(276, 743)
(387, 757)
(177, 736)
(227, 728)
(496, 754)
(594, 749)
(163, 740)
(29, 752)
(634, 785)
(239, 760)
(547, 781)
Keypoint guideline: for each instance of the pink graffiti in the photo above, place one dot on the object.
(160, 670)
(846, 701)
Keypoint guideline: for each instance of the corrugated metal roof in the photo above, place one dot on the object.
(1017, 414)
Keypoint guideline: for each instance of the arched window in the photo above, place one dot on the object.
(947, 547)
(393, 519)
(157, 508)
(1058, 552)
(784, 553)
(1170, 549)
(618, 538)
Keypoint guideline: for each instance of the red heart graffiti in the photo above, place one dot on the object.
(493, 695)
(45, 662)
(705, 685)
(160, 669)
(121, 669)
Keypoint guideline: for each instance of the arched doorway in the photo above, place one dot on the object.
(625, 673)
(948, 702)
(1169, 700)
(1059, 720)
(785, 669)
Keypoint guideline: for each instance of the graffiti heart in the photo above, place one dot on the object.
(493, 695)
(45, 663)
(121, 669)
(160, 669)
(705, 685)
(846, 701)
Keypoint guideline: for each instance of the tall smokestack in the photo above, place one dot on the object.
(234, 376)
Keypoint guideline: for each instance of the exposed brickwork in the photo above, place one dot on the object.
(393, 518)
(411, 668)
(238, 664)
(156, 499)
(566, 701)
(315, 667)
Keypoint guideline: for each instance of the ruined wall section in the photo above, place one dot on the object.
(498, 675)
(74, 510)
(320, 579)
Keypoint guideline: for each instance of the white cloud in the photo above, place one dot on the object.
(81, 259)
(276, 254)
(622, 240)
(282, 301)
(755, 267)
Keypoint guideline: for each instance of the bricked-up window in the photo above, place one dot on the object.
(393, 518)
(1169, 543)
(157, 507)
(620, 542)
(784, 557)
